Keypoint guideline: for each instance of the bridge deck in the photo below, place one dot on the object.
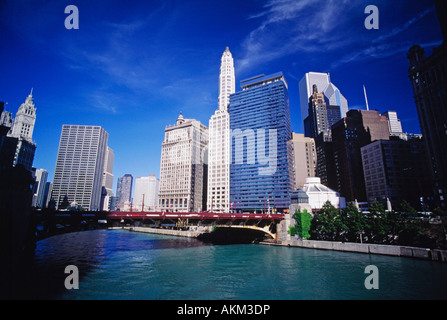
(193, 216)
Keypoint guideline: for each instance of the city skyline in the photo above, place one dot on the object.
(132, 73)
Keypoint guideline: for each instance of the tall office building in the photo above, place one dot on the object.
(124, 191)
(428, 77)
(39, 188)
(80, 166)
(261, 172)
(318, 125)
(357, 129)
(305, 158)
(219, 141)
(330, 91)
(146, 193)
(182, 167)
(321, 115)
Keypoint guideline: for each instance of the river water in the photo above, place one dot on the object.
(119, 264)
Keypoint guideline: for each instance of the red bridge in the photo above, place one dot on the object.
(256, 222)
(139, 215)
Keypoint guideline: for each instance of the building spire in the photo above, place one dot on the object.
(366, 98)
(227, 82)
(31, 93)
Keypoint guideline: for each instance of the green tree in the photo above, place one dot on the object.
(407, 209)
(377, 226)
(354, 220)
(327, 224)
(302, 224)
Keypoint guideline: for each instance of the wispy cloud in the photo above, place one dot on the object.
(328, 27)
(289, 26)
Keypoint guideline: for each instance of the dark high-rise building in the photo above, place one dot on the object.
(357, 129)
(428, 77)
(318, 125)
(396, 170)
(261, 171)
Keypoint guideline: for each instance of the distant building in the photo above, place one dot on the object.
(107, 179)
(394, 123)
(39, 188)
(47, 194)
(79, 168)
(124, 191)
(305, 158)
(349, 135)
(182, 167)
(396, 170)
(146, 193)
(428, 77)
(261, 172)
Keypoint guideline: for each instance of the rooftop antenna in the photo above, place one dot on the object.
(366, 98)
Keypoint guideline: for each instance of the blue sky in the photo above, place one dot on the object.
(132, 66)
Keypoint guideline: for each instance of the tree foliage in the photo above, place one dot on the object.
(375, 226)
(302, 224)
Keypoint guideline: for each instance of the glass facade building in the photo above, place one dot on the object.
(261, 170)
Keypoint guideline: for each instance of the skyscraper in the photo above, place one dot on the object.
(182, 166)
(80, 166)
(124, 191)
(330, 91)
(318, 125)
(428, 77)
(219, 141)
(261, 172)
(357, 129)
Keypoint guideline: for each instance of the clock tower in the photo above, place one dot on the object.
(25, 119)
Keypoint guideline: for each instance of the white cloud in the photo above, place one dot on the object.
(290, 26)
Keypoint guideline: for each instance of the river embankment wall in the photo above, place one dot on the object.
(390, 250)
(191, 233)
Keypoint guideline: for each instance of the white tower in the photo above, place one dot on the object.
(25, 120)
(218, 197)
(227, 82)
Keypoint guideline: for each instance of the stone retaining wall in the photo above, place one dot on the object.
(400, 251)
